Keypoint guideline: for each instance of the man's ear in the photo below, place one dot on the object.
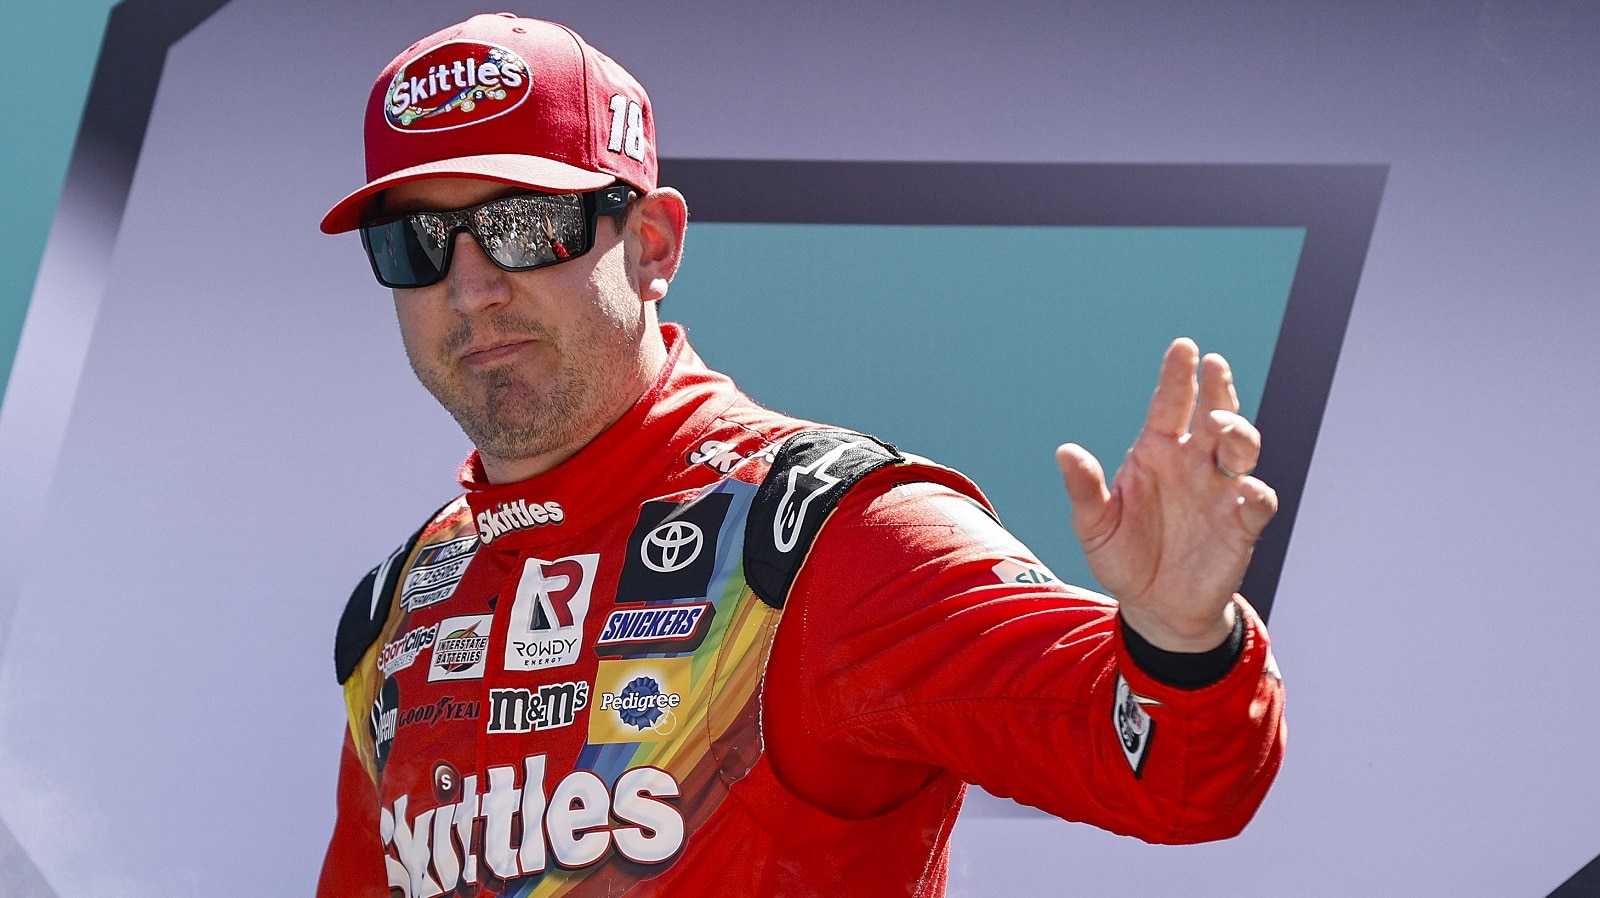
(658, 221)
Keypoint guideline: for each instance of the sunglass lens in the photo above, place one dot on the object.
(409, 251)
(525, 232)
(519, 233)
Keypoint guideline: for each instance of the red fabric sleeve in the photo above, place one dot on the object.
(354, 865)
(904, 653)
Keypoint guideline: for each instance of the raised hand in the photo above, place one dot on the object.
(1171, 537)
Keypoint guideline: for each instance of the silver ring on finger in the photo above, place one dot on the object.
(1223, 470)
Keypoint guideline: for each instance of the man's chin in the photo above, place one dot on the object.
(512, 420)
(514, 434)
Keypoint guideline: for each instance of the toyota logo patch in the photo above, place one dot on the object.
(672, 549)
(672, 546)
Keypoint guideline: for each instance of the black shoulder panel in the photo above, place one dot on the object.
(368, 608)
(812, 472)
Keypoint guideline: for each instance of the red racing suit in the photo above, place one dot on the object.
(577, 685)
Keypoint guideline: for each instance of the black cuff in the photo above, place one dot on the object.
(1186, 670)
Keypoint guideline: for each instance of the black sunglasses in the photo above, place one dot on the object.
(517, 233)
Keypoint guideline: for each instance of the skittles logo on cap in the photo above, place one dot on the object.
(456, 84)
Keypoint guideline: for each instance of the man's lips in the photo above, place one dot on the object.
(497, 351)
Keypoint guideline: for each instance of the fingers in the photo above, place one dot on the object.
(1174, 398)
(1085, 480)
(1227, 442)
(1257, 504)
(1227, 447)
(1216, 385)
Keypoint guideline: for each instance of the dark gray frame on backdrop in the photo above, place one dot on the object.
(1336, 204)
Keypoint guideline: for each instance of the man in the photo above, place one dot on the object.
(573, 680)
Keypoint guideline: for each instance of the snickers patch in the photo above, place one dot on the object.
(654, 629)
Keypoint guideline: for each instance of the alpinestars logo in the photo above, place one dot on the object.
(813, 480)
(444, 848)
(518, 515)
(552, 602)
(524, 710)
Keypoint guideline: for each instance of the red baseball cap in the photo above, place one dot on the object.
(520, 101)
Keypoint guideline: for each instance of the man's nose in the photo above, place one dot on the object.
(476, 284)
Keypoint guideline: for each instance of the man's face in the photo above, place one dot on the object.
(529, 363)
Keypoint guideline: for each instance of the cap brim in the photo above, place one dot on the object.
(533, 172)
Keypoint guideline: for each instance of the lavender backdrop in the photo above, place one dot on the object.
(243, 442)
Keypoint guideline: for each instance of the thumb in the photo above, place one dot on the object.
(1086, 487)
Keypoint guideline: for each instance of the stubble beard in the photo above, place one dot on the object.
(508, 417)
(515, 420)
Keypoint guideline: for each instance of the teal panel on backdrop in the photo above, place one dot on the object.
(982, 347)
(50, 50)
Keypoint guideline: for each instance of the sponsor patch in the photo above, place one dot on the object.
(507, 825)
(519, 515)
(809, 482)
(461, 648)
(672, 546)
(717, 455)
(455, 84)
(546, 628)
(812, 472)
(639, 700)
(1010, 570)
(447, 708)
(383, 720)
(1134, 727)
(435, 573)
(654, 629)
(672, 551)
(545, 708)
(400, 654)
(446, 782)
